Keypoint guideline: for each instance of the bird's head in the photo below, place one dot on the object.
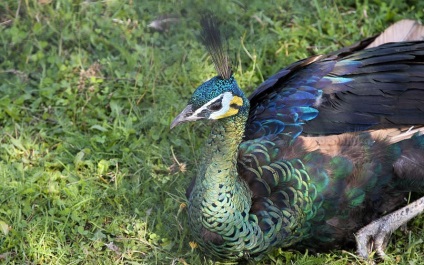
(219, 97)
(215, 99)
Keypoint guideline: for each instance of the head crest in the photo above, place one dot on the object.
(212, 39)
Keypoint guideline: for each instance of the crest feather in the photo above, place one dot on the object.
(212, 39)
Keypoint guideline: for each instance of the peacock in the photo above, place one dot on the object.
(320, 156)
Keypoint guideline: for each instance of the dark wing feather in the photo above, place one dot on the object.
(284, 101)
(351, 90)
(385, 90)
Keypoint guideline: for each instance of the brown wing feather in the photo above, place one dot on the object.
(331, 144)
(404, 30)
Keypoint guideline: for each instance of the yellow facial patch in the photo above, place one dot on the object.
(237, 101)
(235, 104)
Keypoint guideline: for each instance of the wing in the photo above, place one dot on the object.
(350, 90)
(382, 87)
(285, 101)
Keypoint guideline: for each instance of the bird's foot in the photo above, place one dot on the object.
(375, 236)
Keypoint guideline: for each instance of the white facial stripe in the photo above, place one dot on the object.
(225, 99)
(206, 105)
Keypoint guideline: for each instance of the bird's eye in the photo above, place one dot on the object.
(215, 106)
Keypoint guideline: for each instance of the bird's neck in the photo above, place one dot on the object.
(220, 200)
(221, 150)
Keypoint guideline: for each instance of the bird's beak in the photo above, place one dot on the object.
(183, 116)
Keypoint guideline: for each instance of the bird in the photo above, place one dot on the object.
(321, 156)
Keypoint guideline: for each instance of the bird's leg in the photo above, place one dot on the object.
(375, 235)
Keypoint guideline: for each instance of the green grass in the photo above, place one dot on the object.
(87, 93)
